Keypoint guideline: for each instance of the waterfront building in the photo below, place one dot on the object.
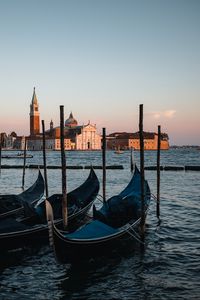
(87, 138)
(76, 137)
(3, 137)
(51, 143)
(8, 141)
(125, 141)
(19, 143)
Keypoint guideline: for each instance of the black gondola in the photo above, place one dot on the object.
(11, 205)
(17, 233)
(111, 225)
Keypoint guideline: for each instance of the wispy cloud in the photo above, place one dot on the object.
(169, 113)
(156, 115)
(159, 114)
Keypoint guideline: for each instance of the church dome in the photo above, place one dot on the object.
(70, 122)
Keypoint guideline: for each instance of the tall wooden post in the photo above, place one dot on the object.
(104, 163)
(158, 174)
(132, 159)
(44, 159)
(0, 153)
(24, 166)
(63, 162)
(142, 223)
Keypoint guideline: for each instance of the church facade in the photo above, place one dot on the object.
(76, 137)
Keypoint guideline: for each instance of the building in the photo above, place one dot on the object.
(87, 138)
(3, 137)
(76, 137)
(19, 143)
(8, 141)
(124, 140)
(34, 116)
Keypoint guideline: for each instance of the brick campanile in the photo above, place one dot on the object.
(34, 116)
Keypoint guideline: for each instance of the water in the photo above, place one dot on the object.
(169, 266)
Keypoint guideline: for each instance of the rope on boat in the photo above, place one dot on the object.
(135, 235)
(154, 197)
(100, 199)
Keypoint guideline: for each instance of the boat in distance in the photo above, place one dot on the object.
(18, 155)
(111, 225)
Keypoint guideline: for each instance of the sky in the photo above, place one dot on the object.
(101, 59)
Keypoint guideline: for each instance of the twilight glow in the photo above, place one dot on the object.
(101, 59)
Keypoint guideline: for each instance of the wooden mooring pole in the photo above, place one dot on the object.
(104, 162)
(24, 165)
(0, 153)
(44, 159)
(132, 164)
(142, 222)
(158, 175)
(63, 162)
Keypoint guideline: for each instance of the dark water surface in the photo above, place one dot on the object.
(167, 268)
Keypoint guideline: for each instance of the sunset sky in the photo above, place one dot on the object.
(101, 59)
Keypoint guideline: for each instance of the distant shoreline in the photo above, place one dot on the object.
(170, 147)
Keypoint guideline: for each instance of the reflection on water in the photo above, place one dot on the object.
(168, 268)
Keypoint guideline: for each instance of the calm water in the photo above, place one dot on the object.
(169, 266)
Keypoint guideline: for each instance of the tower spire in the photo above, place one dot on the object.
(34, 115)
(34, 98)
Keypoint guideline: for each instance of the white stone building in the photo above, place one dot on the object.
(88, 139)
(77, 137)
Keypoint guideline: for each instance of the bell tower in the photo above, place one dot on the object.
(34, 116)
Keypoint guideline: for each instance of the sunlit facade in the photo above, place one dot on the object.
(127, 141)
(76, 137)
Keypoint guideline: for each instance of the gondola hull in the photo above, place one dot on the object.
(108, 231)
(33, 230)
(69, 251)
(13, 205)
(37, 234)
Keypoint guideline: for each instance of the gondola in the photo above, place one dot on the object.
(12, 204)
(33, 230)
(110, 227)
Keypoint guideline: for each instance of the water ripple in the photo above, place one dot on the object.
(167, 268)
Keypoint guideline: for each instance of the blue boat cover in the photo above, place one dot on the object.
(134, 184)
(119, 210)
(95, 229)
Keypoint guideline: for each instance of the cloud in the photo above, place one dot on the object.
(169, 113)
(156, 115)
(159, 114)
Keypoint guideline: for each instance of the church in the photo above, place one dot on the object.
(77, 137)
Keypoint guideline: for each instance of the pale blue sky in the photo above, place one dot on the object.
(101, 59)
